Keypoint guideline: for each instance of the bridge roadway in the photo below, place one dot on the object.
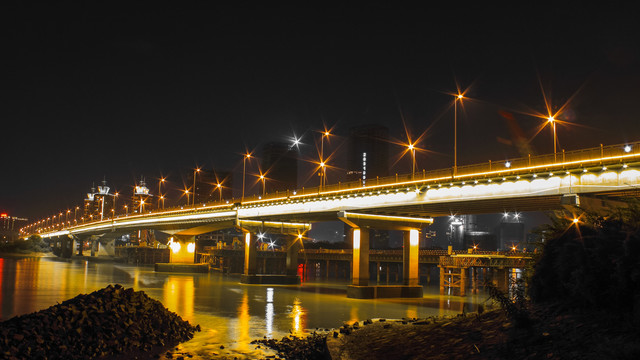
(586, 178)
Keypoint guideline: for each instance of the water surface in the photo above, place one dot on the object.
(230, 314)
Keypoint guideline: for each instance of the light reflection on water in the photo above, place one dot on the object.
(230, 314)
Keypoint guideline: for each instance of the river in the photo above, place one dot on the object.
(230, 314)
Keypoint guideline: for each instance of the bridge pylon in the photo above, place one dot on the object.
(360, 224)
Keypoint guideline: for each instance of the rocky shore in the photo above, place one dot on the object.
(105, 323)
(553, 333)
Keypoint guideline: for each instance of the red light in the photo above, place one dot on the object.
(4, 215)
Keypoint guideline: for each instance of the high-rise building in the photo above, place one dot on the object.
(368, 153)
(279, 163)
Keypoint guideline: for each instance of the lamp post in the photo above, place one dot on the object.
(186, 192)
(244, 169)
(455, 132)
(323, 176)
(126, 210)
(113, 209)
(75, 214)
(262, 178)
(219, 186)
(160, 197)
(413, 160)
(552, 121)
(195, 172)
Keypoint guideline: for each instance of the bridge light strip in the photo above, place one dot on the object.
(352, 215)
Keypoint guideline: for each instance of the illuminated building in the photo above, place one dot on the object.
(9, 226)
(98, 204)
(141, 198)
(279, 163)
(368, 153)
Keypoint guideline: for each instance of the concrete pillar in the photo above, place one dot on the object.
(250, 254)
(411, 240)
(360, 266)
(502, 282)
(292, 257)
(463, 281)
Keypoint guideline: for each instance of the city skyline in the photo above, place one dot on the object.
(99, 94)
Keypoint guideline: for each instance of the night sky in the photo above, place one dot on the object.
(119, 91)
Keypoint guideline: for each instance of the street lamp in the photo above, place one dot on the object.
(323, 178)
(219, 186)
(197, 170)
(244, 169)
(160, 197)
(186, 192)
(413, 160)
(552, 121)
(113, 209)
(263, 183)
(455, 132)
(126, 210)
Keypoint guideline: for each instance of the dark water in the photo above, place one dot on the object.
(229, 313)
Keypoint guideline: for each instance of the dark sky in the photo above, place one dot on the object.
(119, 91)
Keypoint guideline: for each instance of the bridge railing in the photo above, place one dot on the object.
(560, 160)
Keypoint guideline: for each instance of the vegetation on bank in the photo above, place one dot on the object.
(34, 244)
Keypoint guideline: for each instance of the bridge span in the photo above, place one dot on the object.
(581, 179)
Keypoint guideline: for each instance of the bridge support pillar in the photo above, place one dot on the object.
(292, 258)
(410, 274)
(360, 257)
(250, 254)
(250, 276)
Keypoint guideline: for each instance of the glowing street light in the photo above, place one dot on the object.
(455, 132)
(219, 186)
(413, 160)
(186, 192)
(160, 197)
(323, 177)
(262, 178)
(552, 121)
(195, 172)
(246, 157)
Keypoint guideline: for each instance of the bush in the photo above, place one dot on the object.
(594, 264)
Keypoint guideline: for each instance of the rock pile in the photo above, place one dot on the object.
(109, 321)
(312, 347)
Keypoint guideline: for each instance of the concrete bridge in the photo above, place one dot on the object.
(582, 179)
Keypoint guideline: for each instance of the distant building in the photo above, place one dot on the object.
(99, 204)
(511, 232)
(9, 227)
(368, 153)
(206, 186)
(280, 164)
(141, 199)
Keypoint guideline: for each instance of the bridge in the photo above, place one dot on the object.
(592, 178)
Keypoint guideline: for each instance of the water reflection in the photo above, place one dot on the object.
(178, 295)
(268, 313)
(229, 313)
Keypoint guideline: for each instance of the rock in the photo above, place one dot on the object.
(106, 322)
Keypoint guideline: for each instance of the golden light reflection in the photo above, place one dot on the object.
(412, 312)
(178, 296)
(244, 318)
(299, 317)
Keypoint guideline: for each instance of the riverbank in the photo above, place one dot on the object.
(554, 333)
